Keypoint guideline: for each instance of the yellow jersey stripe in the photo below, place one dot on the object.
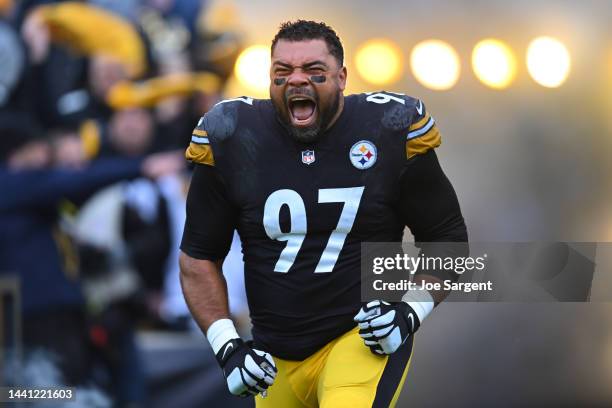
(200, 153)
(422, 144)
(422, 130)
(420, 123)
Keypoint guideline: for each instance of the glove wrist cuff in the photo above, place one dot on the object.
(221, 332)
(228, 349)
(421, 301)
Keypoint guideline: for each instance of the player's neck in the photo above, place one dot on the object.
(338, 113)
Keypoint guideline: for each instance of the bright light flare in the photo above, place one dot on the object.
(494, 63)
(253, 68)
(435, 64)
(379, 62)
(548, 62)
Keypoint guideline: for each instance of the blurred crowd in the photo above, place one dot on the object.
(98, 100)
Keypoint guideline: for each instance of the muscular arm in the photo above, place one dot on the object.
(207, 237)
(204, 289)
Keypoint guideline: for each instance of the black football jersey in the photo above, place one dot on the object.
(303, 210)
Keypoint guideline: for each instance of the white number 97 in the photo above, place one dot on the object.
(351, 197)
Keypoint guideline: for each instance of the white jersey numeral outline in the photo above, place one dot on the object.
(296, 235)
(351, 197)
(381, 98)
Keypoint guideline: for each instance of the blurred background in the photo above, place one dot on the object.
(97, 102)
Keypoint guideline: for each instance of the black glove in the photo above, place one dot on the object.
(248, 371)
(384, 326)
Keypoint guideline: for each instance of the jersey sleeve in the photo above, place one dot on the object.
(423, 134)
(200, 150)
(211, 217)
(217, 125)
(211, 214)
(430, 208)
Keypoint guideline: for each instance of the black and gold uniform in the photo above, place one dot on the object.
(302, 212)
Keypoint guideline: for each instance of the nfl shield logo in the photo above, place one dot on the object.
(308, 156)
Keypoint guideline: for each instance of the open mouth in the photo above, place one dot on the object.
(302, 110)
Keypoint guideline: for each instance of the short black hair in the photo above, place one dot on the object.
(311, 30)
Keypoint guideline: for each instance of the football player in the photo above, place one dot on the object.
(305, 177)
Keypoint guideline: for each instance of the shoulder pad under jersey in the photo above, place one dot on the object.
(217, 124)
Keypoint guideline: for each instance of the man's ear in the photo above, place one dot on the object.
(342, 78)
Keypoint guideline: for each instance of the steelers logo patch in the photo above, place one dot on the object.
(363, 154)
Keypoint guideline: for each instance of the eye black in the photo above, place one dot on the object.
(319, 79)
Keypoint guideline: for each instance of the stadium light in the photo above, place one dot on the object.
(494, 63)
(435, 64)
(253, 68)
(548, 61)
(379, 61)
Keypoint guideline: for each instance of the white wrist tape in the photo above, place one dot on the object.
(220, 332)
(421, 301)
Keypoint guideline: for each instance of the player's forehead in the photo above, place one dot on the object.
(299, 53)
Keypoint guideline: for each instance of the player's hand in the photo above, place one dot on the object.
(384, 326)
(247, 371)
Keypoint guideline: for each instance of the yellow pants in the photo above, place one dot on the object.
(344, 373)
